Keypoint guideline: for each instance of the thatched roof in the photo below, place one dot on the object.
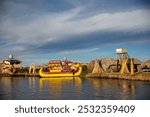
(97, 67)
(106, 62)
(137, 61)
(146, 64)
(90, 65)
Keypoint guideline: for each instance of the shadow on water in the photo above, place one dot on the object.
(72, 88)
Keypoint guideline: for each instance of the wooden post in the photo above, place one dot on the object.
(132, 66)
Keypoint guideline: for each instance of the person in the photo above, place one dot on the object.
(73, 71)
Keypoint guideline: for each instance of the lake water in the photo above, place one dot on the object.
(34, 88)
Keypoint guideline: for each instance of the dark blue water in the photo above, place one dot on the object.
(33, 88)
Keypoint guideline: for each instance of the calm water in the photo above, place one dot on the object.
(72, 88)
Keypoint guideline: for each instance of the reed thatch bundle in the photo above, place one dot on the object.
(106, 62)
(97, 67)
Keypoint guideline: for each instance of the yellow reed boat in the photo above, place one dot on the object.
(58, 68)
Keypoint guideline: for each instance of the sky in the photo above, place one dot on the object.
(36, 31)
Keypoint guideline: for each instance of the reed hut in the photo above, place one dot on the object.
(90, 66)
(10, 65)
(1, 66)
(109, 64)
(97, 67)
(146, 64)
(137, 65)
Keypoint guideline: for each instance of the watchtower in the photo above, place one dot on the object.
(122, 54)
(127, 65)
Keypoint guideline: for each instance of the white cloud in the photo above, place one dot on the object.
(79, 51)
(55, 26)
(137, 20)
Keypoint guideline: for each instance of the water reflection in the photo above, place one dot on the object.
(72, 88)
(61, 87)
(18, 87)
(113, 89)
(5, 87)
(32, 82)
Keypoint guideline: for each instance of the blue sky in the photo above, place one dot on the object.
(36, 31)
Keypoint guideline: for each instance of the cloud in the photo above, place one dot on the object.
(56, 29)
(77, 51)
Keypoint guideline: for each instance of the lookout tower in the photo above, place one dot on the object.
(127, 65)
(122, 53)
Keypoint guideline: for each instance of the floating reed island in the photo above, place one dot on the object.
(136, 76)
(19, 75)
(11, 67)
(129, 69)
(123, 67)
